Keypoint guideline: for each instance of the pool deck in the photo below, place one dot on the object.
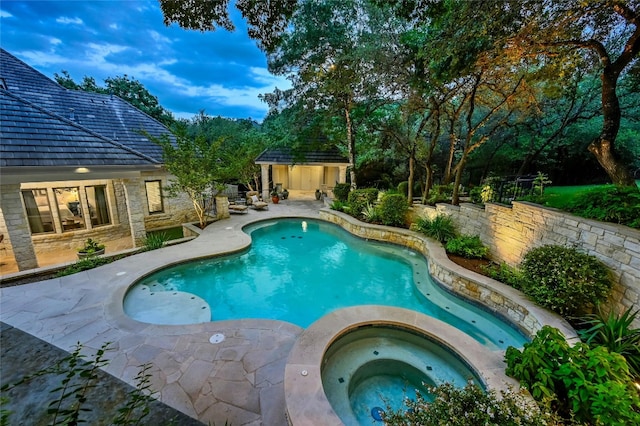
(239, 380)
(216, 372)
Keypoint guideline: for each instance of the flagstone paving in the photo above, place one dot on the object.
(238, 380)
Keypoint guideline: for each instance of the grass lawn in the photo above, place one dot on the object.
(561, 196)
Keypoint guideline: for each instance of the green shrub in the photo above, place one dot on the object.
(475, 194)
(84, 265)
(337, 205)
(440, 227)
(615, 333)
(587, 384)
(504, 273)
(341, 191)
(468, 246)
(440, 194)
(393, 209)
(154, 241)
(468, 406)
(615, 204)
(372, 214)
(403, 188)
(564, 280)
(359, 199)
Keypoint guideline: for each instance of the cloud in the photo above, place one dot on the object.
(55, 41)
(5, 14)
(66, 20)
(114, 26)
(156, 36)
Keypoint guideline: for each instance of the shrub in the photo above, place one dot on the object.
(403, 188)
(440, 194)
(393, 209)
(585, 384)
(359, 199)
(440, 227)
(468, 406)
(341, 191)
(468, 246)
(372, 214)
(475, 194)
(564, 280)
(616, 334)
(615, 204)
(504, 273)
(84, 265)
(154, 241)
(338, 205)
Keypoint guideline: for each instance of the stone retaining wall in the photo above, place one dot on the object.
(496, 296)
(510, 232)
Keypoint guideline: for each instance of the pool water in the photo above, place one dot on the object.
(299, 270)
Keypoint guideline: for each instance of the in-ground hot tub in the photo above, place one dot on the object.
(333, 373)
(374, 367)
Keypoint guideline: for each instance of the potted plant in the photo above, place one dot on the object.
(274, 196)
(285, 194)
(91, 248)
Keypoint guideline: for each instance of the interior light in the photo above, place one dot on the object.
(82, 170)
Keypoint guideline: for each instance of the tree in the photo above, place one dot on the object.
(128, 89)
(197, 168)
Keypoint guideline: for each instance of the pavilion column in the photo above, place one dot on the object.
(264, 168)
(343, 174)
(135, 200)
(14, 226)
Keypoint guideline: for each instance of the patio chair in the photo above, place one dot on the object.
(255, 202)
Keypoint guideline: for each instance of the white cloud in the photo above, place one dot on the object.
(156, 36)
(39, 58)
(55, 41)
(5, 14)
(66, 20)
(114, 26)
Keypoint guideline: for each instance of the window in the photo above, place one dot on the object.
(154, 196)
(69, 208)
(36, 203)
(98, 205)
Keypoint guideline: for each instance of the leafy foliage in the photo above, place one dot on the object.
(440, 194)
(468, 406)
(505, 274)
(341, 191)
(78, 377)
(154, 241)
(587, 384)
(84, 264)
(441, 227)
(615, 204)
(564, 280)
(615, 332)
(469, 246)
(338, 205)
(90, 247)
(372, 213)
(393, 209)
(360, 198)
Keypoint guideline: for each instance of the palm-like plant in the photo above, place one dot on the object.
(616, 334)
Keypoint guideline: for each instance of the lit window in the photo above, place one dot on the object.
(98, 205)
(36, 203)
(69, 208)
(154, 196)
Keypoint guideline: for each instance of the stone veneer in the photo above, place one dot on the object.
(499, 298)
(510, 232)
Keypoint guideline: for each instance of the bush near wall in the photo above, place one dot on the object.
(393, 210)
(360, 198)
(341, 191)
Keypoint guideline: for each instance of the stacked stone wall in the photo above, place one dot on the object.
(510, 232)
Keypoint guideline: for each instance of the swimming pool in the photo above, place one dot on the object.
(299, 270)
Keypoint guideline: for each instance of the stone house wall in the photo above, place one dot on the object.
(177, 210)
(510, 232)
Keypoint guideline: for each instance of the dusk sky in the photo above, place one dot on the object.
(219, 72)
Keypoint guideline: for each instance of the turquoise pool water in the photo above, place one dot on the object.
(299, 273)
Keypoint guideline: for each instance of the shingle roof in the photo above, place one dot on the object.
(34, 137)
(310, 156)
(104, 116)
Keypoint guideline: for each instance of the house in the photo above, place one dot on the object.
(75, 165)
(307, 168)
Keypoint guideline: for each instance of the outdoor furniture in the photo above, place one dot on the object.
(238, 208)
(256, 203)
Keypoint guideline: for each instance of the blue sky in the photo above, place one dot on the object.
(219, 72)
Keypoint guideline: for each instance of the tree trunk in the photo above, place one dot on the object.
(455, 197)
(351, 145)
(428, 183)
(603, 147)
(410, 180)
